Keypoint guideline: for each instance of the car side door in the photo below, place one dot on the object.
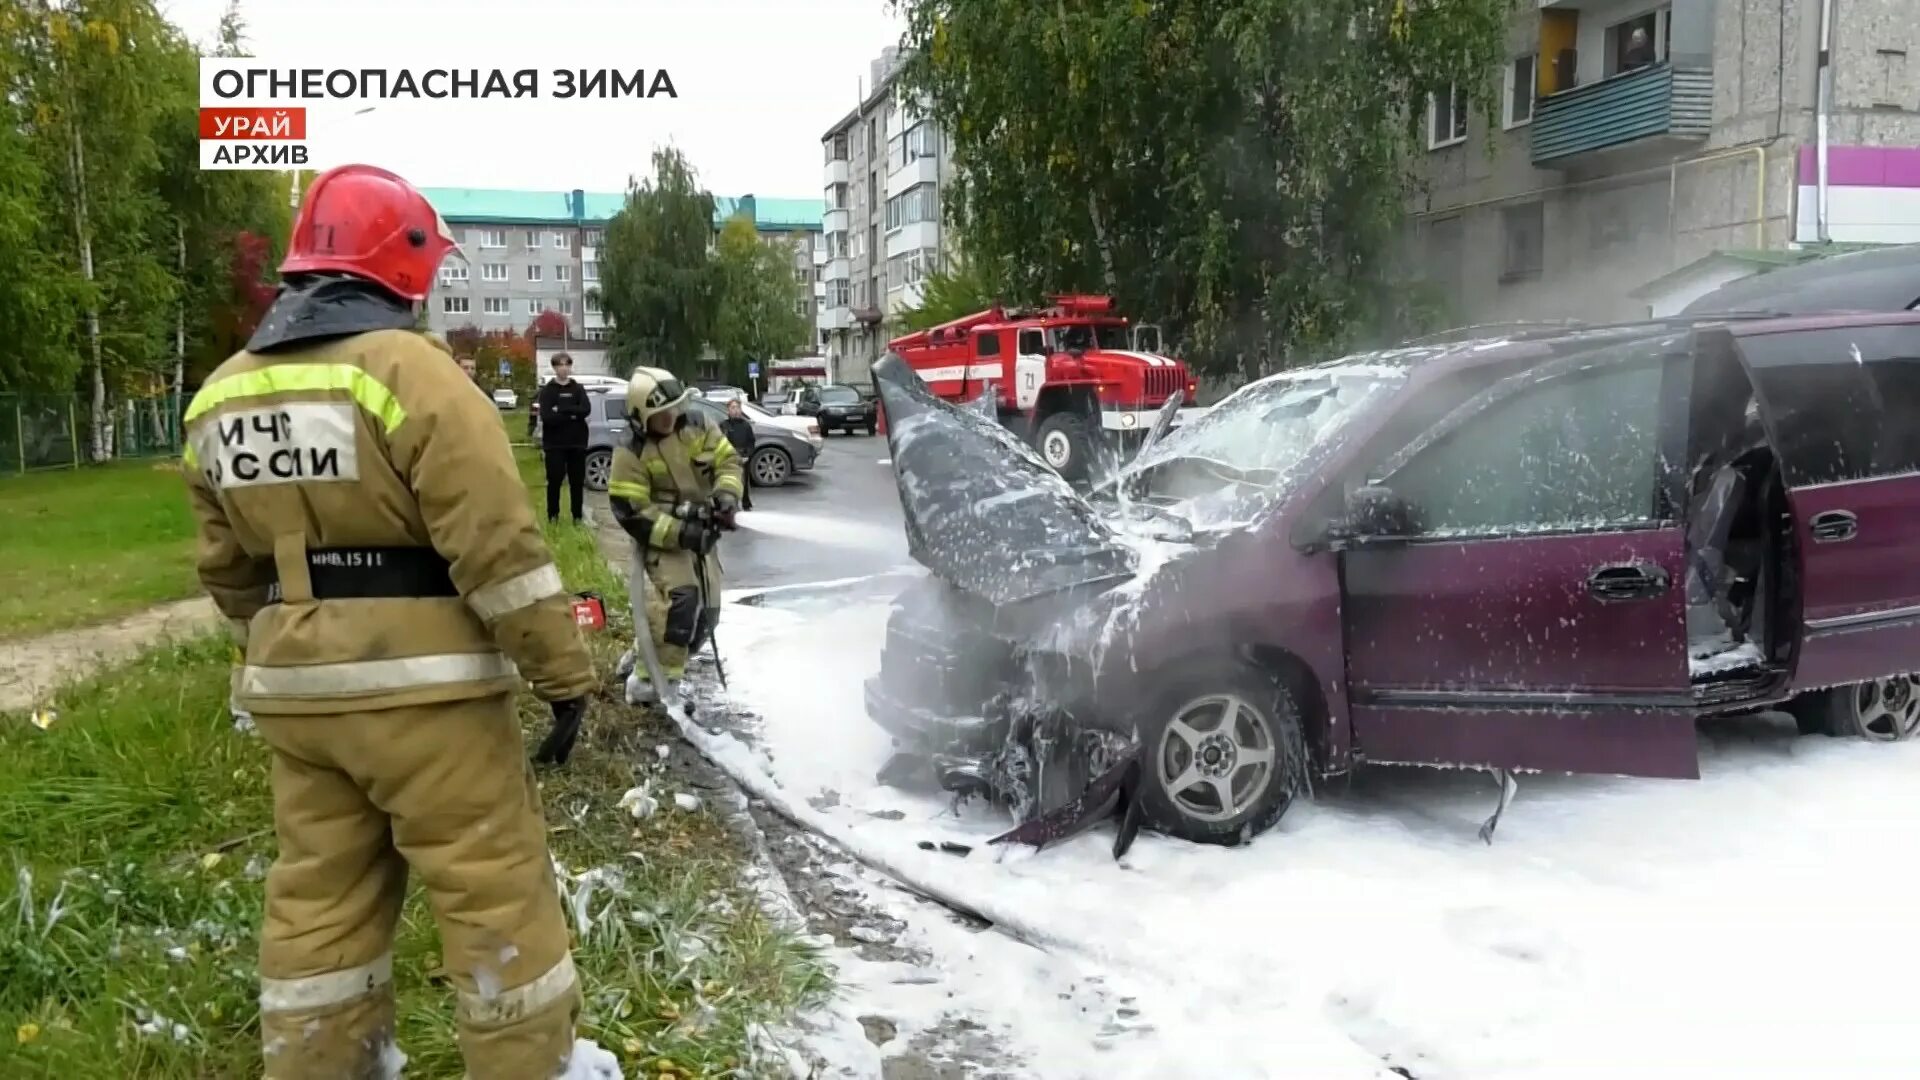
(1533, 614)
(1841, 405)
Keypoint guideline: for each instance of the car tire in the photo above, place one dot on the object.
(770, 467)
(599, 469)
(1180, 789)
(1062, 442)
(1883, 710)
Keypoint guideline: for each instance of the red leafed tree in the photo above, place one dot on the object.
(548, 323)
(251, 292)
(464, 340)
(496, 345)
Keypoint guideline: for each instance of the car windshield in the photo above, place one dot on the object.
(1224, 469)
(1099, 337)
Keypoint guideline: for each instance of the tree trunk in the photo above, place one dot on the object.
(1100, 241)
(97, 423)
(180, 313)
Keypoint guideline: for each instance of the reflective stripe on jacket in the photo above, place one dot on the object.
(371, 441)
(693, 464)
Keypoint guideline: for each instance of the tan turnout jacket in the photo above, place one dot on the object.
(372, 441)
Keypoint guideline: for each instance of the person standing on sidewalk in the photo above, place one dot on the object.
(564, 408)
(362, 523)
(739, 431)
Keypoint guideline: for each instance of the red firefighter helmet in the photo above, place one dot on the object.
(365, 221)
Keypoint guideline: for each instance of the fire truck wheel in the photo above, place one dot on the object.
(1062, 442)
(1224, 754)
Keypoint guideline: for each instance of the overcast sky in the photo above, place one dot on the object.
(759, 81)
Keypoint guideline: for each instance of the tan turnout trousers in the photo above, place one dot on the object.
(359, 796)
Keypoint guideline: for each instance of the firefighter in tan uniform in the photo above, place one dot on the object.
(673, 487)
(362, 523)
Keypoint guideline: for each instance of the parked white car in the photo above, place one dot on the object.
(505, 398)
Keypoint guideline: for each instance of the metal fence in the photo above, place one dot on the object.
(51, 431)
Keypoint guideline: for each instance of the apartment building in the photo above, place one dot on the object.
(1645, 153)
(886, 169)
(534, 251)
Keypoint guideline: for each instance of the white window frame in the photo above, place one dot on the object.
(493, 238)
(535, 308)
(566, 306)
(562, 242)
(496, 272)
(1458, 116)
(592, 304)
(454, 270)
(563, 273)
(533, 239)
(496, 305)
(456, 305)
(800, 308)
(535, 272)
(1508, 100)
(590, 271)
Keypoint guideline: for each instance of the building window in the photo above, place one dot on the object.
(455, 305)
(590, 271)
(497, 305)
(836, 147)
(533, 238)
(837, 197)
(493, 238)
(566, 305)
(1447, 118)
(921, 202)
(872, 132)
(593, 303)
(591, 238)
(533, 272)
(800, 308)
(493, 272)
(453, 271)
(563, 273)
(1521, 87)
(561, 241)
(534, 307)
(1524, 230)
(1638, 42)
(802, 273)
(837, 293)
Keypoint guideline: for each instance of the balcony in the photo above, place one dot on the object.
(924, 170)
(820, 291)
(1661, 108)
(833, 318)
(836, 270)
(834, 221)
(836, 172)
(914, 237)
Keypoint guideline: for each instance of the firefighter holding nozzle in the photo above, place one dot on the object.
(675, 486)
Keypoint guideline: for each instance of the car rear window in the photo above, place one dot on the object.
(839, 397)
(1844, 403)
(614, 408)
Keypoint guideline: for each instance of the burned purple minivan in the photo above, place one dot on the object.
(1544, 552)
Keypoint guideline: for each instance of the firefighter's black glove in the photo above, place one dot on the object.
(558, 745)
(698, 537)
(725, 505)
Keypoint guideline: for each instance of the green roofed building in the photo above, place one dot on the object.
(534, 251)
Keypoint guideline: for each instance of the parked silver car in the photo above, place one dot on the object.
(778, 452)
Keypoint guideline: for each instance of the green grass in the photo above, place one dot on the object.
(84, 545)
(138, 824)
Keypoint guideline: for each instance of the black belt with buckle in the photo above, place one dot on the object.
(349, 573)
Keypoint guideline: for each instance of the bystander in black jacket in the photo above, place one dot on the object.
(739, 432)
(564, 408)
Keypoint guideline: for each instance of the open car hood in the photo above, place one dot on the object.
(983, 512)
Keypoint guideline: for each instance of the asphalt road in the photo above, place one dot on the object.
(837, 521)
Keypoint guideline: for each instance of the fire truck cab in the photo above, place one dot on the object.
(1069, 378)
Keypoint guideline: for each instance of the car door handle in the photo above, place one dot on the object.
(1627, 581)
(1834, 526)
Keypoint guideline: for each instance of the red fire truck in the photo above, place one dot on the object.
(1063, 376)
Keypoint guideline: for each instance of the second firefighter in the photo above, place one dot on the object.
(674, 486)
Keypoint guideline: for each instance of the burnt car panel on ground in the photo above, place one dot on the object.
(1546, 554)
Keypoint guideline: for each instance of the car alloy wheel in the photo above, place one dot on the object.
(599, 469)
(1216, 757)
(770, 468)
(1887, 710)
